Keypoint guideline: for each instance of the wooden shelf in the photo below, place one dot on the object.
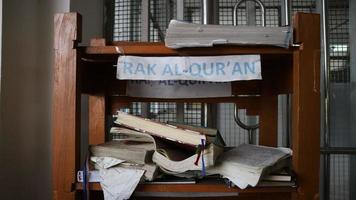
(108, 53)
(199, 187)
(159, 49)
(89, 70)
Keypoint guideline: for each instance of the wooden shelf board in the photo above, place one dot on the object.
(158, 48)
(199, 187)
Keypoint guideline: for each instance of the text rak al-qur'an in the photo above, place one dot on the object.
(199, 68)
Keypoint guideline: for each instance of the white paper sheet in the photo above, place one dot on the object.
(198, 68)
(245, 164)
(105, 162)
(119, 183)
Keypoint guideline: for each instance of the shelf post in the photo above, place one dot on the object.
(306, 105)
(66, 105)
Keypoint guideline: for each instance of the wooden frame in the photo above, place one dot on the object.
(88, 70)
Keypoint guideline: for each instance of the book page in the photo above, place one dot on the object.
(253, 156)
(245, 164)
(119, 183)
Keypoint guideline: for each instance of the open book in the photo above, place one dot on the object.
(246, 164)
(212, 135)
(158, 129)
(175, 160)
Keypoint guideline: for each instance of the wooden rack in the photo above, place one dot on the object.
(89, 70)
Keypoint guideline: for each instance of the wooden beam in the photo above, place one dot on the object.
(97, 42)
(268, 120)
(97, 116)
(249, 103)
(66, 106)
(158, 48)
(199, 187)
(306, 105)
(268, 135)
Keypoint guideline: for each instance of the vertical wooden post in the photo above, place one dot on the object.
(268, 121)
(66, 105)
(268, 135)
(306, 105)
(97, 114)
(97, 108)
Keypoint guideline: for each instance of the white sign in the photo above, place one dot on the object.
(198, 68)
(177, 89)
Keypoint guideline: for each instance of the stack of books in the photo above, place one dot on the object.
(134, 148)
(182, 150)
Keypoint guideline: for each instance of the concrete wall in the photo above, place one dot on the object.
(0, 64)
(25, 98)
(25, 137)
(25, 101)
(92, 12)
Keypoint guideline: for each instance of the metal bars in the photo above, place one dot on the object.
(339, 184)
(163, 111)
(192, 9)
(127, 20)
(192, 113)
(161, 12)
(273, 13)
(338, 14)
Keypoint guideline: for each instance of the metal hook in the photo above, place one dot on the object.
(262, 6)
(249, 128)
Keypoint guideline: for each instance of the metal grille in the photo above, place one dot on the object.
(273, 13)
(192, 113)
(233, 135)
(303, 6)
(340, 177)
(342, 173)
(342, 110)
(162, 11)
(163, 111)
(338, 13)
(341, 101)
(135, 108)
(226, 8)
(127, 20)
(308, 6)
(192, 11)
